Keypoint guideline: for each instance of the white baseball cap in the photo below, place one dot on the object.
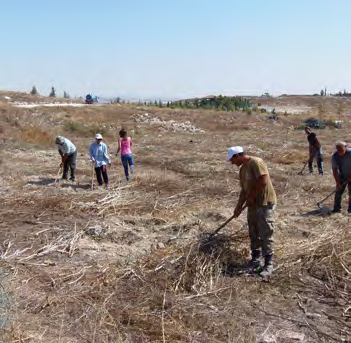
(234, 150)
(98, 136)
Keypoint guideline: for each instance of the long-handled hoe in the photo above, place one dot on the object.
(57, 176)
(327, 197)
(214, 233)
(300, 173)
(92, 176)
(333, 192)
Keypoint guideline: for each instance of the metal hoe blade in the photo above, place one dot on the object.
(327, 197)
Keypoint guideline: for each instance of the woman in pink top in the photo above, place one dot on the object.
(124, 144)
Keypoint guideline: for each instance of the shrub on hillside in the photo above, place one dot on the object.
(37, 136)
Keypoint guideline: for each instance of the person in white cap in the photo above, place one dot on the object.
(258, 195)
(68, 153)
(99, 156)
(341, 166)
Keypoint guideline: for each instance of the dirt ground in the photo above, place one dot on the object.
(128, 264)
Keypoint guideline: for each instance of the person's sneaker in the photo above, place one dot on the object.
(267, 268)
(255, 263)
(335, 211)
(72, 180)
(107, 186)
(266, 271)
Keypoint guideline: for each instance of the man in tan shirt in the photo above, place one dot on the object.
(257, 193)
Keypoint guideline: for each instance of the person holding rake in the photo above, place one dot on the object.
(258, 195)
(341, 166)
(100, 159)
(68, 153)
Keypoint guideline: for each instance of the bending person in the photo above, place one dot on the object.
(341, 165)
(68, 154)
(258, 194)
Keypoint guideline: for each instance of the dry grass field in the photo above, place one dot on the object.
(127, 264)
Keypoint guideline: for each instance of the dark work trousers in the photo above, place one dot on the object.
(70, 164)
(338, 196)
(101, 170)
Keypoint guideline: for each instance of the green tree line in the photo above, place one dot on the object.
(220, 103)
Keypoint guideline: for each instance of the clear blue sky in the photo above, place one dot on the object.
(175, 48)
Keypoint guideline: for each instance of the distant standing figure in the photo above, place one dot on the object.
(98, 156)
(341, 165)
(315, 152)
(124, 145)
(68, 154)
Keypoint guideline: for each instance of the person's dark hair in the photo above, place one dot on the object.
(123, 132)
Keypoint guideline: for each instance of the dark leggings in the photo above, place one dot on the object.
(101, 170)
(338, 196)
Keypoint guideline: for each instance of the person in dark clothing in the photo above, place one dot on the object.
(315, 151)
(68, 153)
(341, 166)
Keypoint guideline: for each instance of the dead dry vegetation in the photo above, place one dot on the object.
(133, 264)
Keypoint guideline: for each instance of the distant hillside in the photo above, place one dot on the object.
(14, 96)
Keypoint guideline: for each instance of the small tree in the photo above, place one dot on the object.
(66, 95)
(34, 91)
(322, 92)
(52, 93)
